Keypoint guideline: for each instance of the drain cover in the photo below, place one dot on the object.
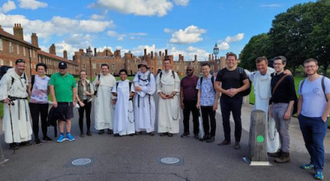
(170, 160)
(81, 161)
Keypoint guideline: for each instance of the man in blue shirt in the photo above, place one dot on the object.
(207, 100)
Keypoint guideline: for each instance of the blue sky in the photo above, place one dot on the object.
(186, 27)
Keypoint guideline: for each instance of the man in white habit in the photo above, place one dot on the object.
(144, 104)
(261, 81)
(123, 123)
(168, 87)
(17, 118)
(103, 108)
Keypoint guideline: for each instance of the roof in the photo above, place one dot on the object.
(55, 57)
(10, 36)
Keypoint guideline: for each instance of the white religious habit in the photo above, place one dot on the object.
(144, 103)
(168, 109)
(103, 107)
(15, 116)
(123, 121)
(262, 92)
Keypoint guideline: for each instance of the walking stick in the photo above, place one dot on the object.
(11, 103)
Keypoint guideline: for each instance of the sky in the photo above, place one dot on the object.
(187, 27)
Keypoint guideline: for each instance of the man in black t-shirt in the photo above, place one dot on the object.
(232, 82)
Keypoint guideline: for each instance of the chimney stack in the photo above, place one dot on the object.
(95, 52)
(195, 58)
(52, 49)
(160, 53)
(165, 52)
(65, 54)
(18, 31)
(209, 57)
(152, 54)
(34, 40)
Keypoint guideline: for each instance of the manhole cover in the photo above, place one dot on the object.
(81, 161)
(170, 160)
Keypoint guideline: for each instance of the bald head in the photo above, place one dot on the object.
(190, 70)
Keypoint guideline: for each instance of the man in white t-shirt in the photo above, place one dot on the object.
(313, 112)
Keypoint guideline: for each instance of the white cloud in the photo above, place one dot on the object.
(167, 30)
(270, 5)
(191, 34)
(57, 25)
(31, 4)
(224, 46)
(72, 44)
(120, 37)
(8, 6)
(235, 38)
(136, 7)
(181, 2)
(97, 17)
(138, 34)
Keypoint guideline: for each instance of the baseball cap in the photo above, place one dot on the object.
(62, 65)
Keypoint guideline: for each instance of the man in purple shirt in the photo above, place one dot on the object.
(188, 97)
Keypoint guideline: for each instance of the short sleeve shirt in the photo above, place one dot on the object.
(314, 102)
(39, 92)
(63, 86)
(188, 85)
(231, 79)
(207, 91)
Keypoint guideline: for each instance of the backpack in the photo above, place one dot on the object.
(148, 79)
(161, 73)
(212, 80)
(95, 92)
(3, 71)
(130, 84)
(241, 74)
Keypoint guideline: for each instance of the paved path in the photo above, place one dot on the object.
(136, 158)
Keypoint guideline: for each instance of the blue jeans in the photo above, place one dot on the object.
(314, 130)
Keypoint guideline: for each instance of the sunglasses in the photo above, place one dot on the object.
(188, 70)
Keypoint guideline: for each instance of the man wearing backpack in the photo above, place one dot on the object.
(144, 103)
(168, 87)
(234, 82)
(313, 111)
(207, 101)
(13, 92)
(283, 97)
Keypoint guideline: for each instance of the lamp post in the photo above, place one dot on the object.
(89, 54)
(216, 52)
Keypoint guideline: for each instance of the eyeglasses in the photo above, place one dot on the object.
(278, 64)
(188, 70)
(311, 66)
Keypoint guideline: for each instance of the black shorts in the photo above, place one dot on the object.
(67, 108)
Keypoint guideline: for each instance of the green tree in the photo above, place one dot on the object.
(256, 47)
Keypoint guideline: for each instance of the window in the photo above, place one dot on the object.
(34, 55)
(94, 66)
(1, 46)
(1, 62)
(30, 53)
(17, 47)
(84, 66)
(113, 66)
(10, 47)
(10, 63)
(24, 53)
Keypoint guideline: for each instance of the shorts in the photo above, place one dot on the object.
(67, 109)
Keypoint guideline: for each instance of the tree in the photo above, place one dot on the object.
(257, 46)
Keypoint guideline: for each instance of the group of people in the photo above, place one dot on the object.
(127, 108)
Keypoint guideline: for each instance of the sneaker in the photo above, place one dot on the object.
(110, 131)
(307, 167)
(210, 140)
(70, 137)
(318, 175)
(205, 138)
(184, 135)
(13, 146)
(61, 138)
(46, 138)
(285, 157)
(170, 135)
(37, 141)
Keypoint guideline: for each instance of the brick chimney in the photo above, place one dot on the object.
(18, 31)
(165, 52)
(160, 53)
(209, 57)
(34, 40)
(195, 58)
(152, 54)
(95, 52)
(65, 54)
(52, 49)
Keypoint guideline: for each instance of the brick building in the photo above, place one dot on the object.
(13, 47)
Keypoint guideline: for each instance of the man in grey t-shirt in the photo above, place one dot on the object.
(313, 112)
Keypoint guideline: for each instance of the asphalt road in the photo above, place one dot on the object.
(137, 158)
